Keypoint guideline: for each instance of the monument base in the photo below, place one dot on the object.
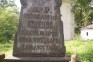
(36, 59)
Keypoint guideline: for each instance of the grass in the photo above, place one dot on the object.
(84, 49)
(6, 47)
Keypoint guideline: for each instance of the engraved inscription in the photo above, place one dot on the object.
(39, 31)
(39, 45)
(40, 24)
(39, 34)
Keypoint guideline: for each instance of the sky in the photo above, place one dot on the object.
(17, 2)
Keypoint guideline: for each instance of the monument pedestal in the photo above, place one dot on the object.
(36, 59)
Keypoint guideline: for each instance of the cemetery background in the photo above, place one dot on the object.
(8, 23)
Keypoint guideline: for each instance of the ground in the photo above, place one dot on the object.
(84, 49)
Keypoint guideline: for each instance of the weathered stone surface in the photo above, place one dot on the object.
(40, 30)
(40, 35)
(36, 59)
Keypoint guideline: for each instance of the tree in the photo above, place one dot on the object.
(7, 3)
(8, 21)
(83, 13)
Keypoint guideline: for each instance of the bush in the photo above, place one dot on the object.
(8, 23)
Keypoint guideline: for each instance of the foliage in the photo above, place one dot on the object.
(83, 13)
(82, 48)
(7, 3)
(8, 22)
(6, 47)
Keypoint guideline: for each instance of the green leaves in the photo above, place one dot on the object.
(7, 3)
(8, 22)
(83, 13)
(84, 49)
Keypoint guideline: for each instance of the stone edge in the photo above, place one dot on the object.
(38, 58)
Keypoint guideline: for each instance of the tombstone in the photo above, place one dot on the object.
(40, 33)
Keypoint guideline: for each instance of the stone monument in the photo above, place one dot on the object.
(40, 35)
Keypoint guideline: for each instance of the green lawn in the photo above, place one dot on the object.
(84, 49)
(6, 47)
